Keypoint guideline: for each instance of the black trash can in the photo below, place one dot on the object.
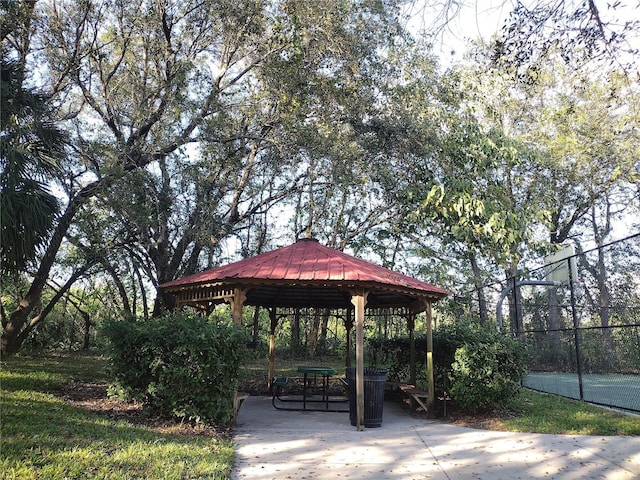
(374, 379)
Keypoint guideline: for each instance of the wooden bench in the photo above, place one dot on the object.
(238, 400)
(279, 383)
(415, 395)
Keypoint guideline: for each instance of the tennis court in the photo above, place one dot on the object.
(619, 391)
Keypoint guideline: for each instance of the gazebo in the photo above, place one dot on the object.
(308, 274)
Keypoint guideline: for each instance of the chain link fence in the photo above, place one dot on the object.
(579, 316)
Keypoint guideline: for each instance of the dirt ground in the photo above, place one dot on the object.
(93, 398)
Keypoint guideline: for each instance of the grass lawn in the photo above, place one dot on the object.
(537, 412)
(44, 436)
(545, 413)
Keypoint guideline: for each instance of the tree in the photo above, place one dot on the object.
(582, 128)
(587, 134)
(250, 158)
(31, 148)
(150, 91)
(483, 197)
(526, 57)
(137, 85)
(583, 31)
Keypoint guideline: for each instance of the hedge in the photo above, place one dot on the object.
(480, 368)
(181, 365)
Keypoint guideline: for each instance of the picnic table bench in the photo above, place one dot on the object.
(413, 394)
(417, 395)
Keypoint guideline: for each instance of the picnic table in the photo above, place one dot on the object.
(310, 385)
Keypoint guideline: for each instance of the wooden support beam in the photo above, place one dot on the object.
(348, 325)
(236, 301)
(272, 346)
(359, 300)
(432, 389)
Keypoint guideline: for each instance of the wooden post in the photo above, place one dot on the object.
(359, 300)
(348, 325)
(236, 301)
(432, 389)
(272, 347)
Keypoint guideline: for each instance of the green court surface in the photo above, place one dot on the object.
(618, 391)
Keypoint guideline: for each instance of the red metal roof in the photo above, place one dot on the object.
(306, 261)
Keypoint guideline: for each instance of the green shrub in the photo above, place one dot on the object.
(393, 354)
(181, 365)
(487, 371)
(479, 367)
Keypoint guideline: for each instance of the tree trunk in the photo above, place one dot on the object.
(256, 326)
(122, 290)
(515, 306)
(554, 326)
(13, 333)
(314, 333)
(477, 280)
(86, 341)
(604, 297)
(322, 341)
(143, 293)
(12, 344)
(599, 273)
(72, 322)
(164, 302)
(295, 333)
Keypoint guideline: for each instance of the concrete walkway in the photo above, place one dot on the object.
(273, 444)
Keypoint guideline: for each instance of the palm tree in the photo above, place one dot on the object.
(31, 147)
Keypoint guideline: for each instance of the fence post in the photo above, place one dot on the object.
(576, 337)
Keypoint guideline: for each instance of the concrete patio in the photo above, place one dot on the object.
(273, 444)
